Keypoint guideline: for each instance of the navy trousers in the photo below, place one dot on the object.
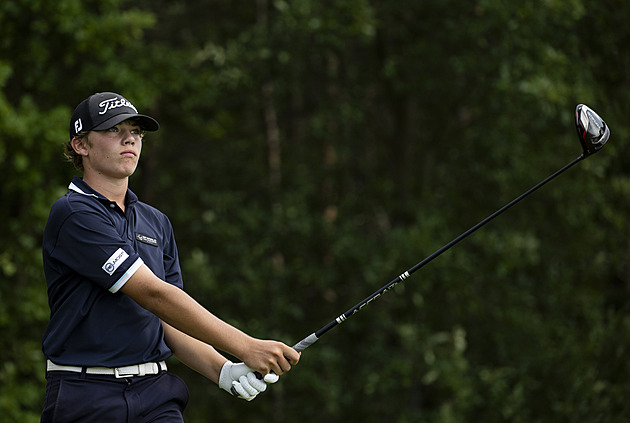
(78, 397)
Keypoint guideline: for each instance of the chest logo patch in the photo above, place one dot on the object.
(115, 261)
(146, 239)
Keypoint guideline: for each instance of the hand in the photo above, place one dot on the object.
(267, 356)
(243, 382)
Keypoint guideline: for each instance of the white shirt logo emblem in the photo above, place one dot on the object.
(114, 261)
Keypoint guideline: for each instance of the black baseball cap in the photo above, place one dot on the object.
(102, 111)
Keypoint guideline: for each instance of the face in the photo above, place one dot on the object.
(112, 153)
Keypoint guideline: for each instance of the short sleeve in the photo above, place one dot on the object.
(89, 243)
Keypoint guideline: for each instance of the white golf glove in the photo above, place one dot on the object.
(241, 381)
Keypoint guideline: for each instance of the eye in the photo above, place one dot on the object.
(113, 129)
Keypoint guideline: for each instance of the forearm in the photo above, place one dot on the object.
(195, 354)
(181, 311)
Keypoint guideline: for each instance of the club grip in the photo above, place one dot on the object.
(305, 343)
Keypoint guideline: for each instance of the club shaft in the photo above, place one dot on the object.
(310, 339)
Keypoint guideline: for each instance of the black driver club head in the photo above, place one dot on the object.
(592, 130)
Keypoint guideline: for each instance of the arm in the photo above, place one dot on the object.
(195, 354)
(236, 379)
(181, 311)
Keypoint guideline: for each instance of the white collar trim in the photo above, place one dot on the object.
(73, 187)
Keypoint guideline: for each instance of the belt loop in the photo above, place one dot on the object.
(83, 373)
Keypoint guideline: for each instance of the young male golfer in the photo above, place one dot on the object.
(117, 307)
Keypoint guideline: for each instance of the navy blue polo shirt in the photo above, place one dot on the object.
(91, 248)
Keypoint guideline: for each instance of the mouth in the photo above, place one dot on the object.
(130, 154)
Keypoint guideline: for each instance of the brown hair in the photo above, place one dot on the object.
(71, 155)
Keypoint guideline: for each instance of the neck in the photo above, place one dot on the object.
(112, 189)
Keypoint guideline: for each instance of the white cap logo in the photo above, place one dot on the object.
(114, 103)
(78, 126)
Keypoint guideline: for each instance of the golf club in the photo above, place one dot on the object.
(593, 134)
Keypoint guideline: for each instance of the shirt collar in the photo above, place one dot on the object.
(79, 186)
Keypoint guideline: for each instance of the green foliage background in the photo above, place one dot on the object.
(310, 151)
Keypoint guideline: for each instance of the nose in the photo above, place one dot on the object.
(129, 137)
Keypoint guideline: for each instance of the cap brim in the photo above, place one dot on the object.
(146, 122)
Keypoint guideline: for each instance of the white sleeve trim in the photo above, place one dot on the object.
(124, 278)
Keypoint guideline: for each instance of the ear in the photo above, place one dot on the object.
(79, 145)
